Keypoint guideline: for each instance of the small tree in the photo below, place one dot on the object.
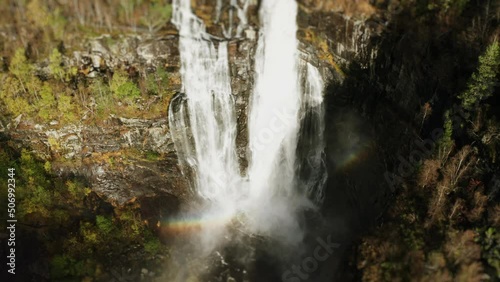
(482, 83)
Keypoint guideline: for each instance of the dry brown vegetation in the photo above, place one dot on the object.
(452, 172)
(355, 8)
(427, 242)
(39, 25)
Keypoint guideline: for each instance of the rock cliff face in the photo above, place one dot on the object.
(126, 158)
(120, 158)
(348, 39)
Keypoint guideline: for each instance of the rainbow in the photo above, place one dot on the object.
(194, 224)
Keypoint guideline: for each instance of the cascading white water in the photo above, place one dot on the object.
(287, 99)
(208, 110)
(286, 111)
(275, 102)
(311, 167)
(273, 124)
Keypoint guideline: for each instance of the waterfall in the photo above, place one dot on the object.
(285, 123)
(275, 102)
(285, 127)
(207, 109)
(311, 167)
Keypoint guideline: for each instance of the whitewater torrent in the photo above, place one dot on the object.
(311, 168)
(286, 107)
(274, 125)
(275, 102)
(208, 109)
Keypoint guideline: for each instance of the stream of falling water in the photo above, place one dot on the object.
(208, 112)
(285, 124)
(274, 124)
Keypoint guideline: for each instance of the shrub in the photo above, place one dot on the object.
(35, 197)
(77, 190)
(53, 143)
(130, 224)
(122, 87)
(20, 67)
(103, 97)
(11, 96)
(55, 65)
(152, 84)
(62, 266)
(47, 103)
(67, 109)
(152, 244)
(104, 224)
(90, 235)
(490, 240)
(59, 266)
(152, 156)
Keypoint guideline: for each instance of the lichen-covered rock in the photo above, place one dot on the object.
(137, 179)
(114, 156)
(348, 39)
(105, 52)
